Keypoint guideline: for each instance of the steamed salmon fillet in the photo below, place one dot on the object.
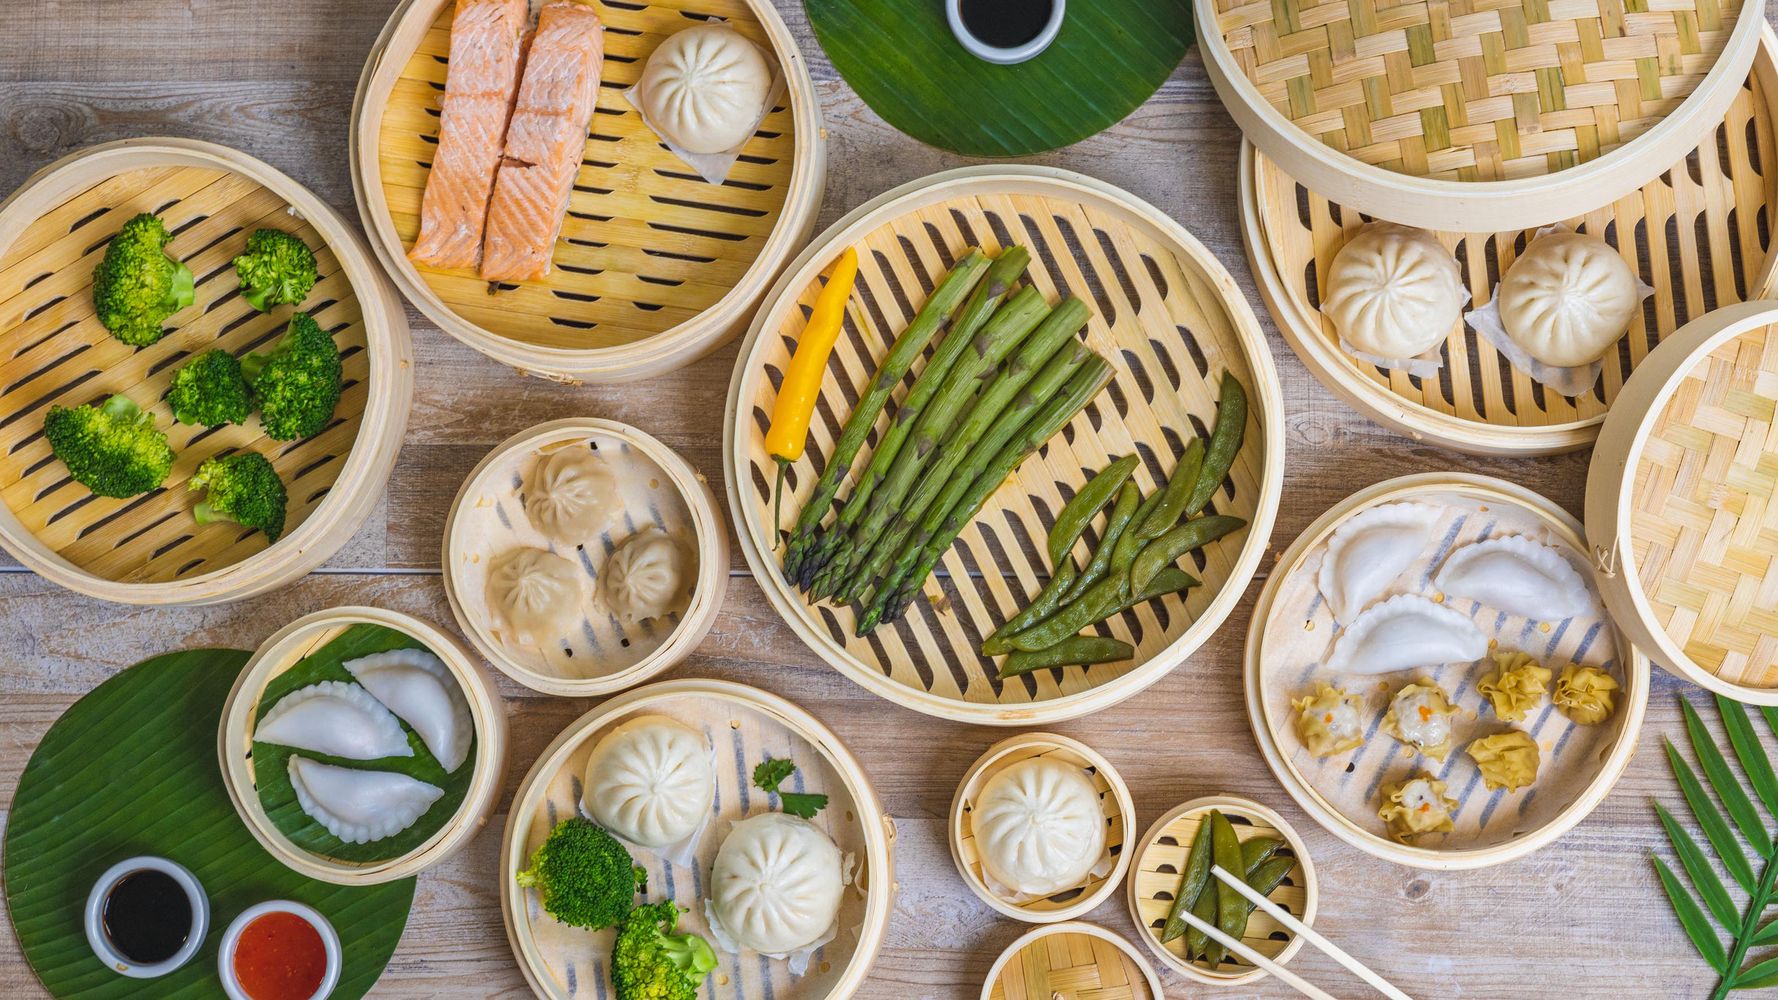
(481, 83)
(544, 143)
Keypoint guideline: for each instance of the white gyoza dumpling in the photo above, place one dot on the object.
(334, 718)
(775, 886)
(571, 495)
(645, 577)
(359, 806)
(536, 593)
(1394, 292)
(704, 88)
(1039, 826)
(417, 686)
(650, 781)
(1568, 298)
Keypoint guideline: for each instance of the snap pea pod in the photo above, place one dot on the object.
(1170, 580)
(1225, 443)
(1163, 551)
(1178, 490)
(1047, 600)
(1124, 552)
(1197, 943)
(1073, 615)
(1078, 513)
(1074, 651)
(1225, 850)
(1257, 851)
(1263, 879)
(1191, 885)
(1123, 515)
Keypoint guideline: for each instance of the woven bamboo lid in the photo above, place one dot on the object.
(1476, 115)
(1682, 503)
(1072, 961)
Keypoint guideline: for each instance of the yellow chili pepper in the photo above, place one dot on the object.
(802, 382)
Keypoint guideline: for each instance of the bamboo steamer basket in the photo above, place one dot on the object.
(657, 488)
(1071, 960)
(1292, 629)
(293, 642)
(1114, 799)
(1169, 319)
(745, 725)
(148, 549)
(654, 267)
(1682, 503)
(1696, 234)
(1476, 117)
(1160, 862)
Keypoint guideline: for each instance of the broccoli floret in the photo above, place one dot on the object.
(277, 269)
(112, 448)
(584, 875)
(210, 390)
(650, 962)
(245, 489)
(298, 383)
(137, 285)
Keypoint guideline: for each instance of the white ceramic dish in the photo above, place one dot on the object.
(95, 916)
(231, 939)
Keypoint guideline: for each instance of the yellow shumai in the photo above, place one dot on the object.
(1420, 716)
(1416, 806)
(1330, 721)
(1515, 686)
(1584, 694)
(1507, 760)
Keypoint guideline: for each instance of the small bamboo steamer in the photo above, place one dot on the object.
(1114, 798)
(1168, 318)
(1160, 861)
(1698, 240)
(234, 743)
(757, 724)
(1590, 759)
(1476, 117)
(1682, 503)
(654, 267)
(1068, 961)
(658, 487)
(147, 550)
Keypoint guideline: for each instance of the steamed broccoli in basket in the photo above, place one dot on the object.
(112, 448)
(137, 285)
(586, 878)
(650, 962)
(298, 382)
(243, 488)
(277, 269)
(210, 390)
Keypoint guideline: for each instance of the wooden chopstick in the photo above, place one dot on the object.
(1235, 947)
(1296, 926)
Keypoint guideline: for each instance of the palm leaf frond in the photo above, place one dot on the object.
(1754, 762)
(1728, 788)
(1692, 918)
(1754, 977)
(1704, 877)
(1711, 821)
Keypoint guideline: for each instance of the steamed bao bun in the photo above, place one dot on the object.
(1568, 298)
(704, 88)
(1394, 292)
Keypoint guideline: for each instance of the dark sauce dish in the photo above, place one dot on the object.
(146, 916)
(1005, 31)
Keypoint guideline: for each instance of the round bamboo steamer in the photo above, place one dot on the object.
(293, 642)
(1578, 764)
(1071, 961)
(1169, 319)
(745, 725)
(1476, 117)
(1160, 861)
(657, 487)
(1698, 240)
(148, 549)
(1114, 798)
(654, 267)
(1682, 499)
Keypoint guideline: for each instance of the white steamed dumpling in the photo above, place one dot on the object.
(1394, 292)
(650, 781)
(1038, 826)
(334, 718)
(571, 495)
(536, 593)
(704, 88)
(1568, 298)
(417, 686)
(644, 577)
(776, 884)
(359, 806)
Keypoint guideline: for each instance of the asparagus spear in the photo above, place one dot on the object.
(873, 542)
(919, 558)
(934, 315)
(976, 363)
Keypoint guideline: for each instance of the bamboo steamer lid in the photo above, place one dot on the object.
(1682, 503)
(1071, 961)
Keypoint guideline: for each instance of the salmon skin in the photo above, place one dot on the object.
(487, 42)
(544, 143)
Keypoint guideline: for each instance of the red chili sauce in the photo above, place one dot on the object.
(280, 956)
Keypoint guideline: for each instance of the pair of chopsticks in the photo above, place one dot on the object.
(1296, 926)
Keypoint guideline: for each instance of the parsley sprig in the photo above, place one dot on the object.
(773, 772)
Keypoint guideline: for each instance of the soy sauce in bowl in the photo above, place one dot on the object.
(147, 916)
(1006, 24)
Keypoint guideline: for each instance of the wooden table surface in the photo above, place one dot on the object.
(276, 80)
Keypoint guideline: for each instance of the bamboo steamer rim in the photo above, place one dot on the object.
(1611, 481)
(1037, 934)
(383, 423)
(281, 651)
(990, 764)
(712, 548)
(1611, 766)
(1253, 811)
(1518, 203)
(877, 825)
(1265, 396)
(642, 358)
